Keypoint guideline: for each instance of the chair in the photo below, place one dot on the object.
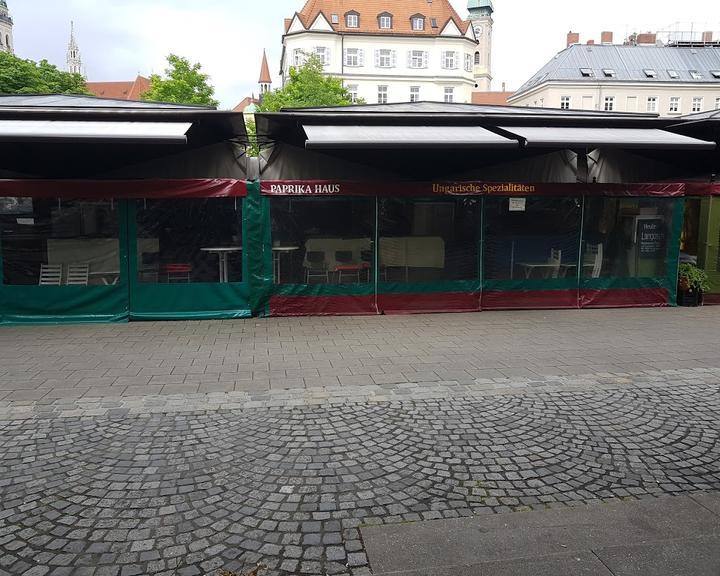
(347, 266)
(315, 266)
(593, 258)
(50, 275)
(178, 272)
(554, 262)
(77, 275)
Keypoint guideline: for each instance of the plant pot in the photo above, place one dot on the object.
(689, 297)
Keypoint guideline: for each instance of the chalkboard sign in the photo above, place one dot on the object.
(651, 235)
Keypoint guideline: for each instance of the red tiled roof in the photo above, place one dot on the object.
(264, 71)
(132, 90)
(491, 98)
(369, 10)
(245, 102)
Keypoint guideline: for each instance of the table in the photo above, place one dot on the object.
(277, 252)
(222, 253)
(529, 267)
(108, 277)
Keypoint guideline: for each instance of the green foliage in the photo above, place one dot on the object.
(253, 148)
(307, 87)
(18, 76)
(690, 277)
(184, 83)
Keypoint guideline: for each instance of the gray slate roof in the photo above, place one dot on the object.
(71, 101)
(458, 108)
(629, 64)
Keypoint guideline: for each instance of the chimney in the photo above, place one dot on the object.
(606, 37)
(573, 38)
(591, 42)
(707, 37)
(647, 38)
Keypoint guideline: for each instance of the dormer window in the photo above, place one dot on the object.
(335, 19)
(695, 75)
(352, 20)
(650, 73)
(715, 73)
(385, 21)
(418, 23)
(673, 74)
(609, 73)
(586, 72)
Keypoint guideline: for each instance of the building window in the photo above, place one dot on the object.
(352, 20)
(565, 102)
(353, 91)
(674, 104)
(609, 103)
(652, 102)
(477, 58)
(385, 22)
(299, 57)
(414, 93)
(650, 73)
(586, 72)
(673, 74)
(385, 58)
(323, 54)
(418, 23)
(609, 73)
(335, 19)
(449, 94)
(417, 59)
(449, 60)
(382, 94)
(696, 75)
(717, 103)
(468, 63)
(354, 57)
(697, 104)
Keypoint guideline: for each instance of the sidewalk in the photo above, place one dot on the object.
(662, 537)
(48, 363)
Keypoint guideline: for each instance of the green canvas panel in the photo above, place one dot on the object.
(181, 301)
(257, 231)
(70, 304)
(709, 241)
(673, 249)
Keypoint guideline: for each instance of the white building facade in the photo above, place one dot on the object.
(669, 80)
(6, 29)
(384, 54)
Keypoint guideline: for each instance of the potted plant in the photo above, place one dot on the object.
(692, 282)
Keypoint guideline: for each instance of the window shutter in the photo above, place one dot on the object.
(345, 57)
(361, 57)
(377, 58)
(457, 60)
(409, 55)
(327, 56)
(425, 59)
(393, 58)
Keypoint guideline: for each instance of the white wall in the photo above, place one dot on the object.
(628, 97)
(432, 79)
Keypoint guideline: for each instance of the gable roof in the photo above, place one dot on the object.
(132, 90)
(369, 10)
(629, 64)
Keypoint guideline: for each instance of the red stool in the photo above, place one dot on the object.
(177, 272)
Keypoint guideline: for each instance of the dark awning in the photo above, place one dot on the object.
(370, 136)
(93, 131)
(635, 138)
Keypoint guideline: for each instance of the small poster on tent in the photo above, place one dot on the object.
(651, 237)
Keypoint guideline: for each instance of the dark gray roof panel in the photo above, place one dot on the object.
(71, 101)
(630, 64)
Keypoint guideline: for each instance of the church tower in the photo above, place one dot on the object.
(481, 12)
(265, 79)
(6, 29)
(74, 62)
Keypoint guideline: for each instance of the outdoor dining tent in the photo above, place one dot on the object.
(111, 210)
(446, 207)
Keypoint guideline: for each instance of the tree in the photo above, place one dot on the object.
(307, 87)
(184, 84)
(18, 76)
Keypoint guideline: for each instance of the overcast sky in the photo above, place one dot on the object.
(120, 39)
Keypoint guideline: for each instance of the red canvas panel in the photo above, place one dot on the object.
(702, 189)
(322, 305)
(428, 303)
(120, 189)
(624, 298)
(711, 299)
(530, 300)
(398, 189)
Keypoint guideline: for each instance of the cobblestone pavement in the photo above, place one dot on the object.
(189, 487)
(49, 363)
